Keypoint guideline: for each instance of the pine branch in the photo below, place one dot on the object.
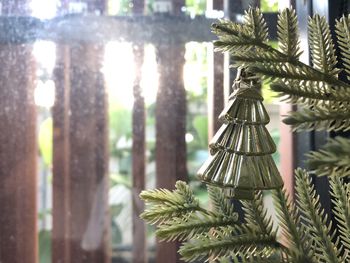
(221, 203)
(164, 204)
(321, 45)
(159, 214)
(205, 247)
(260, 259)
(315, 221)
(275, 71)
(243, 42)
(239, 40)
(181, 194)
(332, 158)
(341, 195)
(289, 221)
(251, 57)
(256, 216)
(287, 34)
(319, 118)
(342, 28)
(196, 224)
(311, 93)
(256, 24)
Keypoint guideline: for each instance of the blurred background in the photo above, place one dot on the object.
(99, 100)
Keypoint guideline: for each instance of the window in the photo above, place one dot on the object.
(99, 100)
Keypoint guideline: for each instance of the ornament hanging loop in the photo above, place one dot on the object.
(248, 78)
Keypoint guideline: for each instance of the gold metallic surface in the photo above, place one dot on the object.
(240, 160)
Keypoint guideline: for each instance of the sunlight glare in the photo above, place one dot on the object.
(44, 9)
(45, 55)
(119, 70)
(44, 94)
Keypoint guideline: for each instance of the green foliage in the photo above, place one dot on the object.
(289, 219)
(200, 123)
(299, 82)
(165, 204)
(343, 36)
(120, 125)
(287, 33)
(196, 7)
(315, 220)
(45, 141)
(220, 203)
(45, 238)
(321, 45)
(319, 118)
(223, 245)
(341, 194)
(307, 234)
(332, 159)
(269, 6)
(256, 216)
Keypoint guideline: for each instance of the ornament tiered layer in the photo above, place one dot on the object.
(241, 160)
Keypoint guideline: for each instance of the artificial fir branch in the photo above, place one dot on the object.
(314, 219)
(220, 202)
(182, 194)
(217, 234)
(319, 118)
(256, 24)
(158, 214)
(343, 36)
(223, 246)
(332, 159)
(299, 249)
(341, 201)
(164, 205)
(256, 217)
(185, 228)
(225, 29)
(311, 93)
(287, 34)
(321, 46)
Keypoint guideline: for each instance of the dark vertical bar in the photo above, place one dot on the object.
(138, 161)
(216, 93)
(170, 125)
(139, 247)
(80, 170)
(170, 129)
(18, 148)
(60, 169)
(218, 4)
(138, 7)
(177, 6)
(96, 6)
(216, 88)
(18, 156)
(88, 185)
(100, 209)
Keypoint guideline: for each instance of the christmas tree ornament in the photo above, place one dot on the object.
(241, 160)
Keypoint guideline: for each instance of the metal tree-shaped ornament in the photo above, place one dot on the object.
(241, 160)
